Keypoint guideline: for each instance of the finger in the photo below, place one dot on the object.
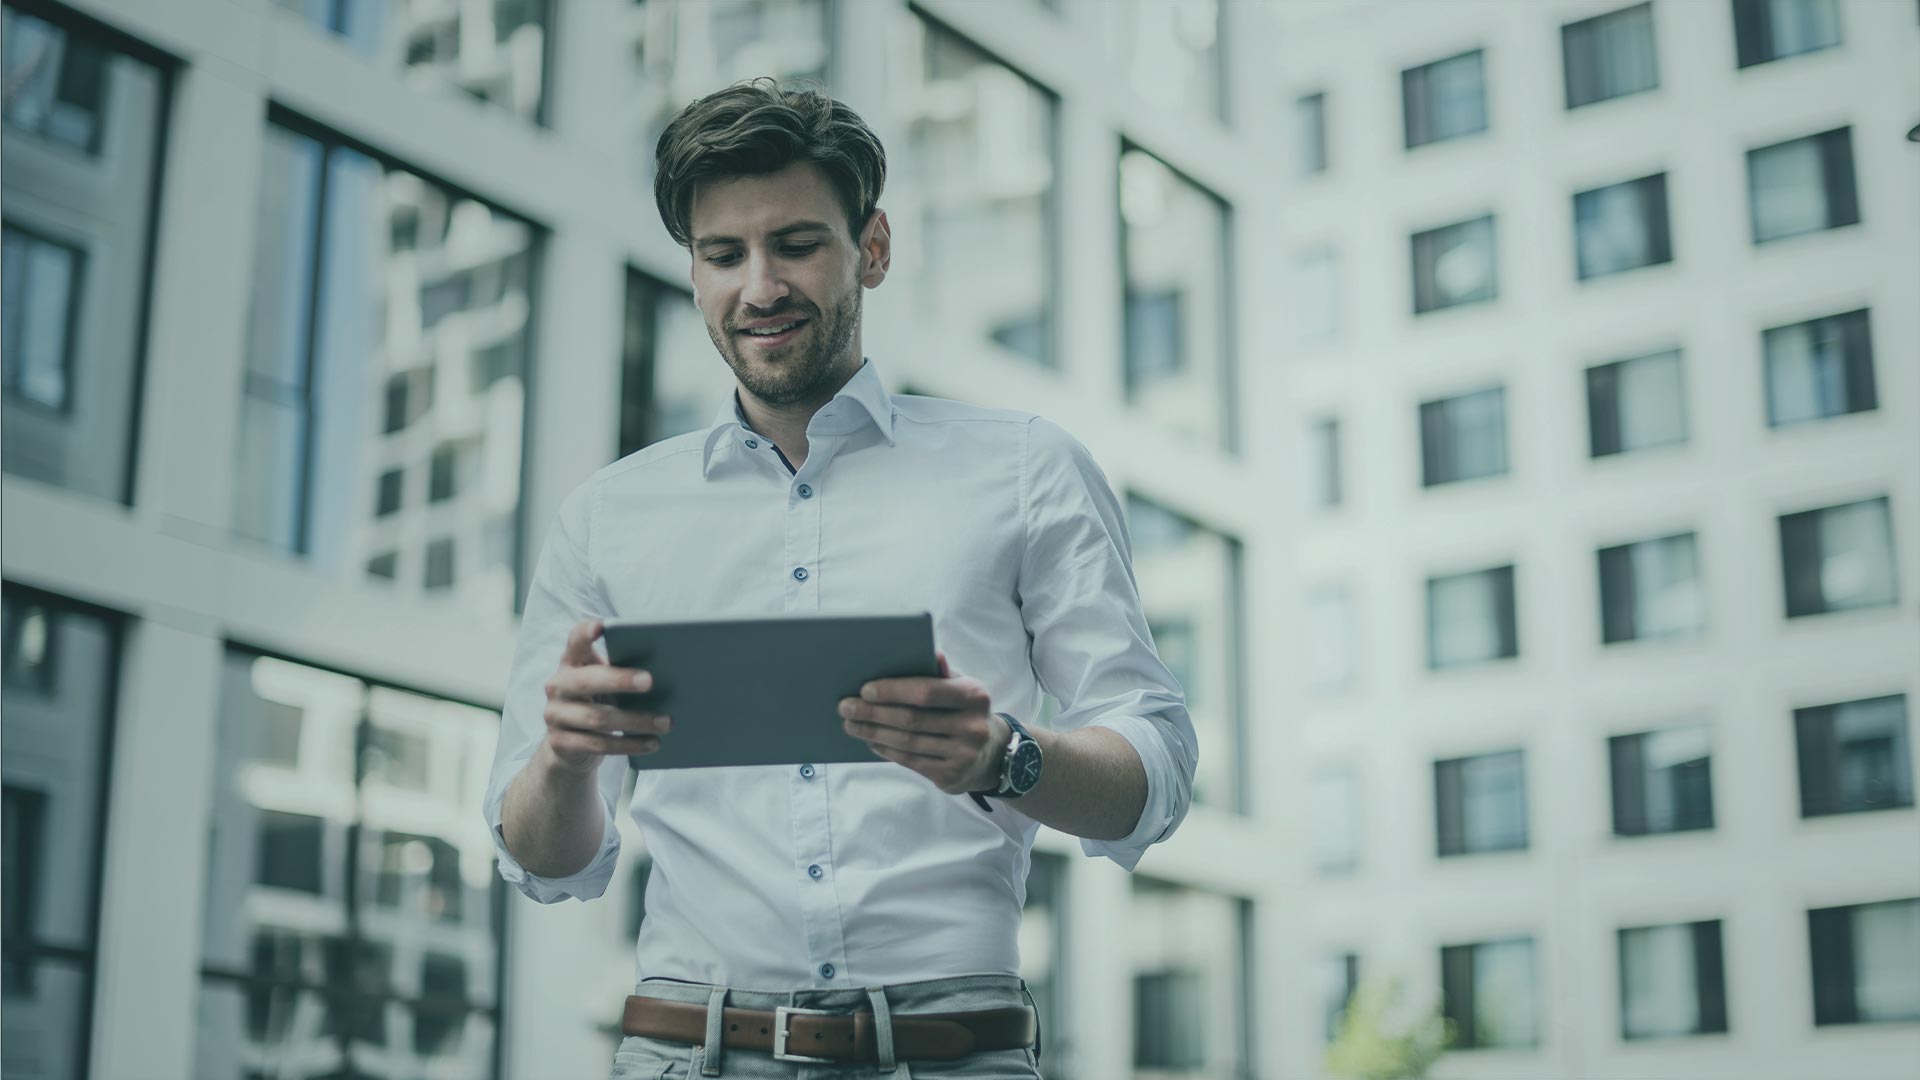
(946, 671)
(943, 722)
(595, 681)
(916, 762)
(935, 747)
(927, 692)
(580, 743)
(579, 651)
(602, 719)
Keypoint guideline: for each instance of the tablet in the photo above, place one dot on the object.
(763, 691)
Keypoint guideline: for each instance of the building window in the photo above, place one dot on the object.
(443, 473)
(1662, 781)
(1463, 437)
(1802, 185)
(352, 915)
(1622, 227)
(1169, 53)
(683, 49)
(1336, 820)
(1444, 99)
(440, 564)
(1482, 803)
(1609, 56)
(1340, 975)
(1316, 301)
(1310, 134)
(82, 145)
(1188, 951)
(1333, 639)
(493, 50)
(1651, 589)
(1189, 578)
(1672, 980)
(1819, 368)
(57, 674)
(307, 449)
(1043, 954)
(1636, 404)
(1173, 238)
(1866, 962)
(980, 176)
(671, 379)
(1323, 462)
(1766, 30)
(42, 280)
(391, 485)
(1470, 618)
(1854, 756)
(385, 566)
(1490, 992)
(1839, 558)
(1454, 265)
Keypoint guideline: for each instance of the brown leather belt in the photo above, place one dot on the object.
(817, 1035)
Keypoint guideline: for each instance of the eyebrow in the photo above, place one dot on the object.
(777, 234)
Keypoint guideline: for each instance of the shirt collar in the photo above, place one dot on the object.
(862, 396)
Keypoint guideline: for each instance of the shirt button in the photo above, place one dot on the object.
(799, 573)
(814, 871)
(826, 971)
(806, 492)
(806, 771)
(753, 444)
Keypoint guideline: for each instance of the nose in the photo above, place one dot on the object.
(764, 287)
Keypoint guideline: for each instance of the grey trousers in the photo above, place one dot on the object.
(655, 1059)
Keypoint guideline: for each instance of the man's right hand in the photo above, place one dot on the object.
(582, 731)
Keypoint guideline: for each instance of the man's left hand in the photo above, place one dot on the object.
(940, 727)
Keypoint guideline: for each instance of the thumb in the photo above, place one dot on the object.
(946, 669)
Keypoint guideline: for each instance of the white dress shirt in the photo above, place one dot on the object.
(781, 877)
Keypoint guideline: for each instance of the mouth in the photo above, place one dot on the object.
(781, 334)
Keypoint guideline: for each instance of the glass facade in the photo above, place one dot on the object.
(1190, 579)
(491, 50)
(59, 667)
(82, 143)
(979, 176)
(353, 919)
(1173, 238)
(369, 276)
(672, 379)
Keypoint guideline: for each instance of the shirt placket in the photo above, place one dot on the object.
(808, 799)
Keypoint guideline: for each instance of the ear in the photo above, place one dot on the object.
(876, 249)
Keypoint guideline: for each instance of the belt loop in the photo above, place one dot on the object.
(882, 1028)
(716, 1032)
(1038, 1034)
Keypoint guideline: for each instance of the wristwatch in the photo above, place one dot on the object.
(1019, 769)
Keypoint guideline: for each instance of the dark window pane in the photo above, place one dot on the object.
(1864, 959)
(494, 51)
(1651, 589)
(289, 851)
(1173, 243)
(390, 489)
(1621, 227)
(1444, 99)
(440, 564)
(1819, 368)
(1662, 781)
(1464, 437)
(1310, 133)
(1766, 30)
(1489, 991)
(1470, 618)
(1671, 982)
(42, 281)
(1454, 265)
(1168, 1020)
(1481, 803)
(1802, 185)
(1636, 404)
(1854, 756)
(56, 83)
(1609, 55)
(1838, 558)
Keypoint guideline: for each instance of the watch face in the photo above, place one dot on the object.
(1023, 769)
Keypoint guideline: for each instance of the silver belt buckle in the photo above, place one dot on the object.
(780, 1014)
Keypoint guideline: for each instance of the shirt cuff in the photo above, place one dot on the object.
(586, 884)
(1164, 808)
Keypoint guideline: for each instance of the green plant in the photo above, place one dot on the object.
(1371, 1046)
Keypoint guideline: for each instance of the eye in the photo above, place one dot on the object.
(797, 250)
(727, 259)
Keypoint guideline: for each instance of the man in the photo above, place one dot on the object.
(886, 895)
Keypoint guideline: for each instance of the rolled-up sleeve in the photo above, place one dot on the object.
(564, 591)
(1089, 641)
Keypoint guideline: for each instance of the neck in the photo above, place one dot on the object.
(787, 424)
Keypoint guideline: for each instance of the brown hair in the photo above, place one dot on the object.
(756, 127)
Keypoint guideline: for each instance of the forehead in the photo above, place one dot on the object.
(744, 206)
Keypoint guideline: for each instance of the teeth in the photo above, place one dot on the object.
(772, 330)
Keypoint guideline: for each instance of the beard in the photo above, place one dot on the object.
(807, 367)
